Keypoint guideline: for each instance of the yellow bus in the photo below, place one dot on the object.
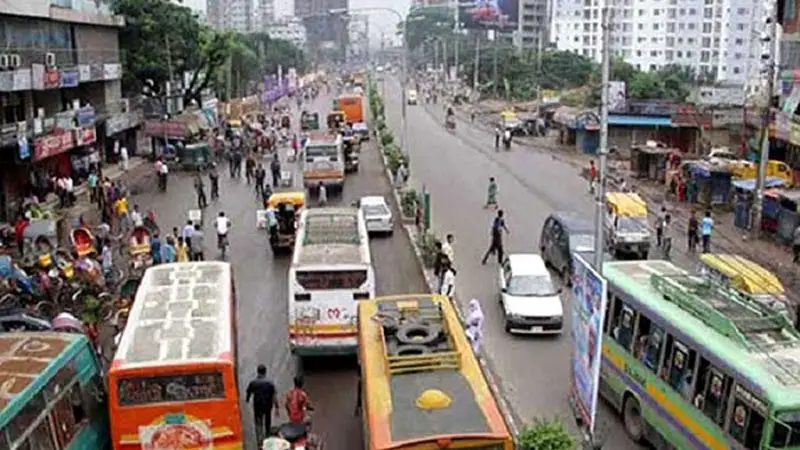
(422, 386)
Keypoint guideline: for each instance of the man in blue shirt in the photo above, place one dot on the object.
(706, 225)
(496, 238)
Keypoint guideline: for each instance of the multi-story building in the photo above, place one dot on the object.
(289, 28)
(60, 93)
(534, 24)
(711, 36)
(214, 12)
(236, 15)
(264, 14)
(325, 32)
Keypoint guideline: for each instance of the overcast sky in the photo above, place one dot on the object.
(378, 20)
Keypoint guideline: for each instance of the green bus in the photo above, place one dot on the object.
(692, 364)
(52, 393)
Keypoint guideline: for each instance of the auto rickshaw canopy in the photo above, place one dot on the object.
(508, 114)
(743, 274)
(627, 204)
(295, 198)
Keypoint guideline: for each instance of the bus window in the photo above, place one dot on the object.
(41, 438)
(678, 367)
(746, 425)
(64, 420)
(25, 418)
(650, 342)
(712, 392)
(787, 430)
(612, 299)
(622, 331)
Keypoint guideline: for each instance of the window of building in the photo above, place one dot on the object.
(739, 41)
(708, 13)
(707, 27)
(737, 70)
(737, 56)
(656, 12)
(688, 54)
(692, 12)
(641, 12)
(653, 53)
(669, 55)
(670, 27)
(641, 26)
(655, 26)
(741, 11)
(705, 56)
(670, 41)
(691, 26)
(671, 13)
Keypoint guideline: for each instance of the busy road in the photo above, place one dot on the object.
(455, 169)
(261, 282)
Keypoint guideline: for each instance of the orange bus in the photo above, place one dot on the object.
(422, 387)
(173, 384)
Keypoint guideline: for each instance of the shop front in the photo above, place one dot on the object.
(165, 133)
(14, 147)
(122, 130)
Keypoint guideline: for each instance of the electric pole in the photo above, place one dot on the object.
(768, 40)
(477, 67)
(599, 244)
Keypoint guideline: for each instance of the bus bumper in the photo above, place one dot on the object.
(324, 347)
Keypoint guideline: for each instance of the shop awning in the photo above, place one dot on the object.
(638, 121)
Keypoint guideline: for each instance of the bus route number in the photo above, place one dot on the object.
(334, 313)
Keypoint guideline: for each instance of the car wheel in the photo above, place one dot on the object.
(632, 418)
(508, 328)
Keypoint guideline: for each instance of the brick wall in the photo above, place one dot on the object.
(97, 45)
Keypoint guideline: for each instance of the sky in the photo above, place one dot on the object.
(378, 20)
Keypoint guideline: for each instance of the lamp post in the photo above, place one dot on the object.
(404, 135)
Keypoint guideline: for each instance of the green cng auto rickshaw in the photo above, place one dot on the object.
(194, 156)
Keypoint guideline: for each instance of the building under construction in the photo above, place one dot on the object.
(326, 32)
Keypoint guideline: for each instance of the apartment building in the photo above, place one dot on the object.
(289, 28)
(324, 31)
(711, 36)
(264, 14)
(236, 15)
(534, 24)
(60, 92)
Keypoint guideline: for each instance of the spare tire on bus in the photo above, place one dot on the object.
(412, 350)
(417, 334)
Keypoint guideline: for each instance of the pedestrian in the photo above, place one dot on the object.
(265, 402)
(491, 194)
(121, 209)
(198, 244)
(447, 248)
(155, 248)
(497, 133)
(168, 250)
(200, 189)
(448, 287)
(136, 217)
(796, 245)
(706, 226)
(323, 194)
(474, 324)
(666, 239)
(164, 176)
(107, 262)
(102, 233)
(181, 250)
(275, 169)
(592, 177)
(297, 402)
(496, 238)
(123, 159)
(438, 261)
(213, 179)
(691, 232)
(92, 182)
(660, 225)
(187, 232)
(249, 168)
(261, 175)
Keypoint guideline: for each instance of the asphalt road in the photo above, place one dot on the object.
(455, 169)
(261, 282)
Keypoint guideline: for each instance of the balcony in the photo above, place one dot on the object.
(71, 120)
(26, 69)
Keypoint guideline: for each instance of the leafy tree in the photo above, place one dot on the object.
(424, 24)
(544, 434)
(254, 55)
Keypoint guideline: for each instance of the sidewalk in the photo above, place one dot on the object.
(727, 238)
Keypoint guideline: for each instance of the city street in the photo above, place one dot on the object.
(455, 169)
(262, 292)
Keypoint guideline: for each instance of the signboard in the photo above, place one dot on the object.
(52, 144)
(63, 120)
(6, 81)
(22, 80)
(84, 73)
(86, 116)
(119, 122)
(37, 76)
(651, 108)
(23, 148)
(617, 97)
(727, 117)
(111, 71)
(85, 136)
(171, 129)
(70, 78)
(52, 79)
(96, 72)
(688, 114)
(173, 433)
(589, 298)
(501, 15)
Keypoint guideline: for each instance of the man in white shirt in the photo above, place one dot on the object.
(163, 173)
(447, 248)
(136, 217)
(448, 282)
(123, 158)
(69, 188)
(222, 225)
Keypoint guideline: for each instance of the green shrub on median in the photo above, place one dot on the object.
(387, 138)
(546, 434)
(426, 243)
(409, 199)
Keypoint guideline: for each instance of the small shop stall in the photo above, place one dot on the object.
(744, 196)
(706, 184)
(649, 161)
(788, 215)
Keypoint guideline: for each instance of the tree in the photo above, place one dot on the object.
(254, 55)
(424, 24)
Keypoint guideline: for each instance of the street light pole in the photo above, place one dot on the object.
(599, 246)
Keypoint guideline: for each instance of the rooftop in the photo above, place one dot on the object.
(331, 226)
(182, 312)
(24, 355)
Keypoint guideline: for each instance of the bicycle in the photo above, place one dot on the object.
(222, 244)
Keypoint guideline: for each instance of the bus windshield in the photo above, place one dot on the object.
(331, 279)
(170, 388)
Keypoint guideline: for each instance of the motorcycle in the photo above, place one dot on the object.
(506, 143)
(296, 434)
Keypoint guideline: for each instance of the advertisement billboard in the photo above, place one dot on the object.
(589, 297)
(500, 15)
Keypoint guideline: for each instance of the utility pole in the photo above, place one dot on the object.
(494, 63)
(456, 30)
(768, 58)
(599, 245)
(477, 67)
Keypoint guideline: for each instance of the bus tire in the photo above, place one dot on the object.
(414, 334)
(407, 350)
(632, 418)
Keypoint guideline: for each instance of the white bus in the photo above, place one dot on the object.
(331, 271)
(323, 160)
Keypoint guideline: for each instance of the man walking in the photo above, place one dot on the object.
(496, 238)
(265, 402)
(275, 168)
(706, 226)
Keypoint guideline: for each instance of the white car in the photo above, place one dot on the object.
(411, 98)
(377, 214)
(531, 304)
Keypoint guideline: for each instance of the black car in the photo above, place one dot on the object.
(562, 234)
(22, 320)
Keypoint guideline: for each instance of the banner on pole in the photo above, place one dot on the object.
(589, 300)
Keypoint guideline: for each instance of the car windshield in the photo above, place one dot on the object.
(582, 242)
(632, 224)
(530, 286)
(375, 210)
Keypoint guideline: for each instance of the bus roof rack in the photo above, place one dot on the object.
(739, 317)
(416, 337)
(331, 226)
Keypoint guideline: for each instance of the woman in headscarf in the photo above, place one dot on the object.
(474, 324)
